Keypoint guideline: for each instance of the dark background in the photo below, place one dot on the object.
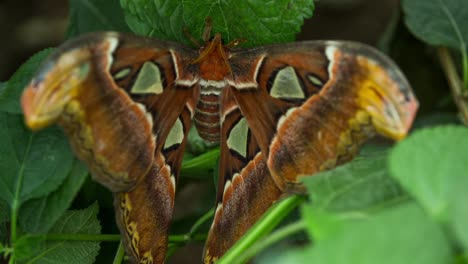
(29, 26)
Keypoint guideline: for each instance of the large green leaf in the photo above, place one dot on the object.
(10, 95)
(58, 252)
(363, 184)
(31, 164)
(38, 215)
(400, 235)
(95, 15)
(259, 22)
(430, 164)
(438, 22)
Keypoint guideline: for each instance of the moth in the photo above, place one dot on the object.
(278, 112)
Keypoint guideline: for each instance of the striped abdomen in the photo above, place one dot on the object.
(207, 113)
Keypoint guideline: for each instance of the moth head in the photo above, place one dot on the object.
(55, 84)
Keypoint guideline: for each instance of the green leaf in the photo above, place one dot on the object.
(430, 164)
(260, 22)
(401, 235)
(361, 185)
(438, 22)
(72, 222)
(28, 246)
(95, 15)
(11, 94)
(38, 215)
(321, 224)
(31, 164)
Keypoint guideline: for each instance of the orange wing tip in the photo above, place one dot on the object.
(393, 121)
(32, 119)
(387, 97)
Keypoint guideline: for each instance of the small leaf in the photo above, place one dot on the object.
(438, 22)
(11, 94)
(28, 246)
(363, 184)
(72, 222)
(31, 164)
(260, 22)
(37, 216)
(95, 15)
(430, 164)
(391, 237)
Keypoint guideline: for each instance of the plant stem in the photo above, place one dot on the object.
(272, 239)
(186, 237)
(120, 254)
(15, 205)
(268, 221)
(454, 80)
(207, 216)
(176, 241)
(465, 67)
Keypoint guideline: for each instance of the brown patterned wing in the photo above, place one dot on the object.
(320, 101)
(144, 214)
(126, 104)
(245, 187)
(307, 107)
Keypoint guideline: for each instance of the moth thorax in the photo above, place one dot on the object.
(207, 117)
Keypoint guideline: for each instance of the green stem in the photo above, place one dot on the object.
(272, 239)
(207, 216)
(170, 250)
(120, 254)
(15, 205)
(268, 221)
(186, 237)
(454, 81)
(465, 68)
